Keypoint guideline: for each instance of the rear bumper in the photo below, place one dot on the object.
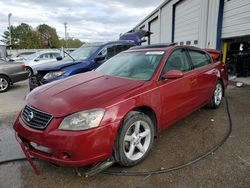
(68, 148)
(20, 76)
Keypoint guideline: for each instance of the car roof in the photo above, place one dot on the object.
(49, 51)
(163, 46)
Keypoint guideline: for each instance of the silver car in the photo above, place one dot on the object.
(39, 58)
(11, 73)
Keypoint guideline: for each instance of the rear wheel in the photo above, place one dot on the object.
(4, 83)
(135, 139)
(217, 95)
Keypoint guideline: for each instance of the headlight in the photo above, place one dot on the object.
(52, 75)
(82, 120)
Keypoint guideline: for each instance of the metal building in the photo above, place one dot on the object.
(217, 24)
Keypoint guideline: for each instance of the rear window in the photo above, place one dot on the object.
(199, 59)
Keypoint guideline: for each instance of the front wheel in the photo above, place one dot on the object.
(135, 139)
(29, 70)
(217, 95)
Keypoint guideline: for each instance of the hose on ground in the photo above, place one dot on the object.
(183, 165)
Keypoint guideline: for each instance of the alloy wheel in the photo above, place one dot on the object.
(137, 140)
(3, 84)
(218, 94)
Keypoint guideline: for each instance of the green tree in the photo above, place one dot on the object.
(6, 37)
(73, 43)
(48, 36)
(27, 37)
(22, 37)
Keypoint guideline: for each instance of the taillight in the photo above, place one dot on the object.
(23, 66)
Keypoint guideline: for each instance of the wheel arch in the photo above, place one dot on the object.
(29, 67)
(223, 86)
(1, 74)
(149, 112)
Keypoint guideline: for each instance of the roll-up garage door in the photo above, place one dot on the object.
(154, 28)
(236, 18)
(186, 22)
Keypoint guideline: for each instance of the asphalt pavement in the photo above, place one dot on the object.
(229, 166)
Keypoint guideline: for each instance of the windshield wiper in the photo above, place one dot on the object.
(69, 55)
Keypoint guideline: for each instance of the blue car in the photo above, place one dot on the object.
(86, 58)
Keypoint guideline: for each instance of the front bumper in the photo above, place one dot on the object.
(68, 148)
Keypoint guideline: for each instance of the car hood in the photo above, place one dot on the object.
(57, 65)
(80, 92)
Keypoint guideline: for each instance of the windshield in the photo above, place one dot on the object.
(132, 65)
(82, 53)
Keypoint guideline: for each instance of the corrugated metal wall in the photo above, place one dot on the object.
(154, 28)
(196, 20)
(187, 19)
(236, 18)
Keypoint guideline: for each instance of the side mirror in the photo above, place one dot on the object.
(37, 59)
(59, 58)
(99, 58)
(172, 74)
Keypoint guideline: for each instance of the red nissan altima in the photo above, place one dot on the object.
(118, 109)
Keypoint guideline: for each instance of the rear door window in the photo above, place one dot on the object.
(199, 59)
(44, 56)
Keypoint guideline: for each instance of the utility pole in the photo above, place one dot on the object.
(9, 15)
(65, 34)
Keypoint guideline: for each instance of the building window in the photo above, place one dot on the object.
(188, 42)
(196, 42)
(181, 43)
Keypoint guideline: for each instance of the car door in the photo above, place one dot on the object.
(206, 73)
(177, 95)
(41, 58)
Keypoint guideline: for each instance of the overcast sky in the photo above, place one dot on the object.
(88, 20)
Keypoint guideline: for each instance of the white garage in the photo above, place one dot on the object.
(186, 22)
(216, 24)
(154, 28)
(236, 19)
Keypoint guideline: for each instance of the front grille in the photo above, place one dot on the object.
(35, 118)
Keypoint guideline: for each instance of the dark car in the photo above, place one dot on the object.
(86, 58)
(116, 110)
(11, 73)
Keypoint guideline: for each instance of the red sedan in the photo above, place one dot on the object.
(118, 109)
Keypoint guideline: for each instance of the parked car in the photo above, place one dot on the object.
(39, 58)
(118, 109)
(20, 56)
(86, 58)
(11, 73)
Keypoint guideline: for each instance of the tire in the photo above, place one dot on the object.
(217, 95)
(28, 69)
(135, 139)
(4, 83)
